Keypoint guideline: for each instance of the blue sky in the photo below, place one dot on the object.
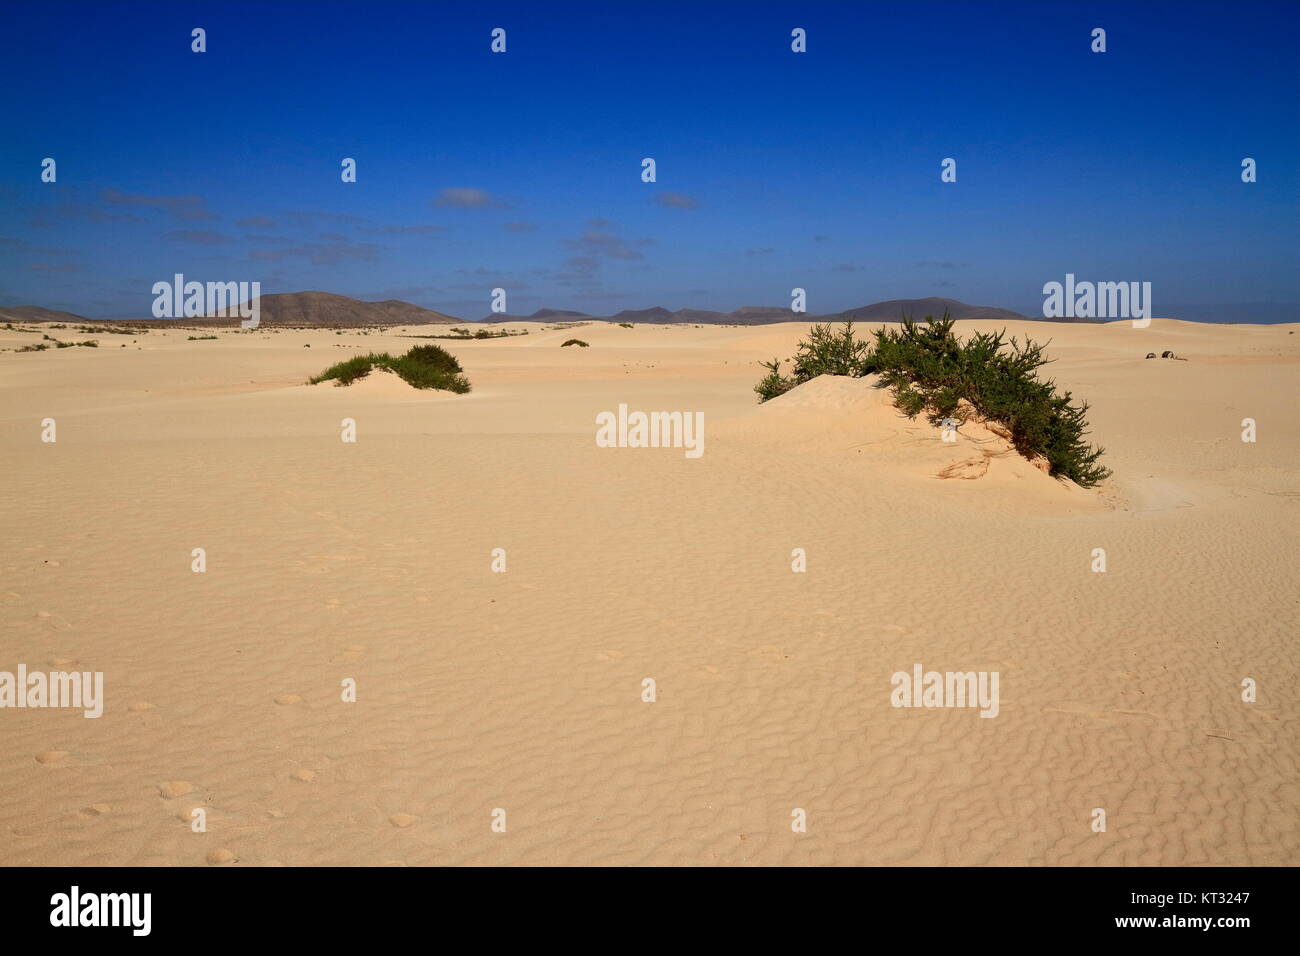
(775, 169)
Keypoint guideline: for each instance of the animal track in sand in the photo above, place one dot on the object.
(304, 775)
(218, 857)
(967, 468)
(94, 810)
(402, 820)
(1102, 714)
(51, 756)
(175, 788)
(56, 622)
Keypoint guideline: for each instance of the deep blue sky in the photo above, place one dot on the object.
(818, 170)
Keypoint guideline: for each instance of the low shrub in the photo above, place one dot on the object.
(930, 371)
(575, 342)
(424, 366)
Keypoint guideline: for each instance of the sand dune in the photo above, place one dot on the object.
(372, 561)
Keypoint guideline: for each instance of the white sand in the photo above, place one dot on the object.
(522, 690)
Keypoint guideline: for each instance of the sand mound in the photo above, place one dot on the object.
(853, 416)
(381, 383)
(837, 393)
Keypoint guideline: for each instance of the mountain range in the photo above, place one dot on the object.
(325, 309)
(890, 311)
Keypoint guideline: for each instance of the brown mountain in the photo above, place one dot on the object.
(894, 309)
(34, 313)
(311, 309)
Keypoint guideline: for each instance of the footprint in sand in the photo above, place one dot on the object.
(185, 813)
(55, 622)
(140, 706)
(610, 655)
(303, 776)
(218, 857)
(288, 700)
(175, 788)
(10, 597)
(51, 756)
(352, 652)
(94, 810)
(402, 820)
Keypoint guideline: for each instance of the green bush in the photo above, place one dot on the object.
(424, 366)
(930, 370)
(825, 353)
(575, 342)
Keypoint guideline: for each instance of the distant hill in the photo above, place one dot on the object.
(309, 309)
(541, 315)
(34, 313)
(890, 311)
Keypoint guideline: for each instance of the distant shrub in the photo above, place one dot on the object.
(73, 345)
(37, 347)
(424, 366)
(930, 370)
(575, 342)
(625, 325)
(200, 338)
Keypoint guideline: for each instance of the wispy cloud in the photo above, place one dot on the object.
(184, 208)
(309, 216)
(321, 254)
(54, 267)
(676, 200)
(202, 236)
(464, 197)
(426, 231)
(595, 243)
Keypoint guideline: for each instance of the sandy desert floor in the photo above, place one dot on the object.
(522, 690)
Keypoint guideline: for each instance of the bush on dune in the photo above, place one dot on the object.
(424, 366)
(930, 371)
